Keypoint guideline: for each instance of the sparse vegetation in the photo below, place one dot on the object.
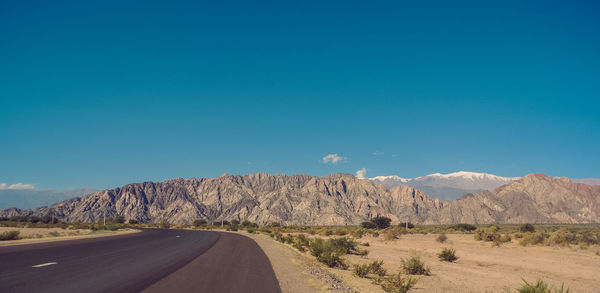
(398, 284)
(448, 254)
(540, 287)
(441, 238)
(415, 266)
(9, 235)
(381, 222)
(526, 228)
(375, 267)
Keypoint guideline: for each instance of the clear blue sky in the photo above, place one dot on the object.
(110, 92)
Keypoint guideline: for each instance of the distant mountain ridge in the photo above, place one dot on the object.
(450, 186)
(336, 199)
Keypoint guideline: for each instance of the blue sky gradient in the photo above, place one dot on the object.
(111, 92)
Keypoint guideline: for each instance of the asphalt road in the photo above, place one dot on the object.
(153, 260)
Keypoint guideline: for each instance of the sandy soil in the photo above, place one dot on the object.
(481, 267)
(35, 235)
(297, 272)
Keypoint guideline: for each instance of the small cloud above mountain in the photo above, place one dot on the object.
(332, 158)
(16, 186)
(360, 174)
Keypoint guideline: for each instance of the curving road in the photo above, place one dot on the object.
(153, 260)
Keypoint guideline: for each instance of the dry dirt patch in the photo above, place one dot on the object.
(481, 267)
(34, 235)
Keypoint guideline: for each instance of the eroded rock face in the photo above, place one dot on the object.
(337, 199)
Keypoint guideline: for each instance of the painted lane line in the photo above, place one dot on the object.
(44, 264)
(177, 236)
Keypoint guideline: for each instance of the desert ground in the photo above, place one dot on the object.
(481, 267)
(33, 235)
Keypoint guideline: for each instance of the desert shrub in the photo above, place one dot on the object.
(448, 254)
(289, 239)
(119, 219)
(358, 233)
(376, 267)
(332, 259)
(415, 266)
(347, 245)
(301, 242)
(374, 233)
(408, 225)
(518, 235)
(361, 270)
(562, 237)
(316, 247)
(199, 222)
(312, 231)
(441, 238)
(398, 284)
(340, 232)
(10, 235)
(328, 232)
(526, 228)
(534, 238)
(464, 227)
(488, 234)
(247, 223)
(391, 234)
(362, 252)
(368, 225)
(251, 230)
(330, 251)
(540, 287)
(365, 244)
(235, 222)
(381, 222)
(133, 221)
(54, 234)
(164, 225)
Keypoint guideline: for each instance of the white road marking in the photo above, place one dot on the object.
(177, 236)
(44, 264)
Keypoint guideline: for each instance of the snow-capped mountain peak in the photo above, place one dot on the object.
(391, 177)
(468, 176)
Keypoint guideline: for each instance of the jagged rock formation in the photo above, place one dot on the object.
(336, 199)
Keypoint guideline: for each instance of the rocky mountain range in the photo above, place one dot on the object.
(336, 199)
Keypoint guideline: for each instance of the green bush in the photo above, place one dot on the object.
(464, 227)
(398, 284)
(534, 238)
(199, 223)
(448, 254)
(368, 225)
(540, 287)
(361, 270)
(133, 222)
(526, 228)
(415, 266)
(376, 267)
(10, 235)
(301, 242)
(441, 238)
(488, 234)
(381, 222)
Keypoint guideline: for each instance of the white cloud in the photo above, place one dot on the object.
(332, 158)
(377, 153)
(360, 174)
(16, 186)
